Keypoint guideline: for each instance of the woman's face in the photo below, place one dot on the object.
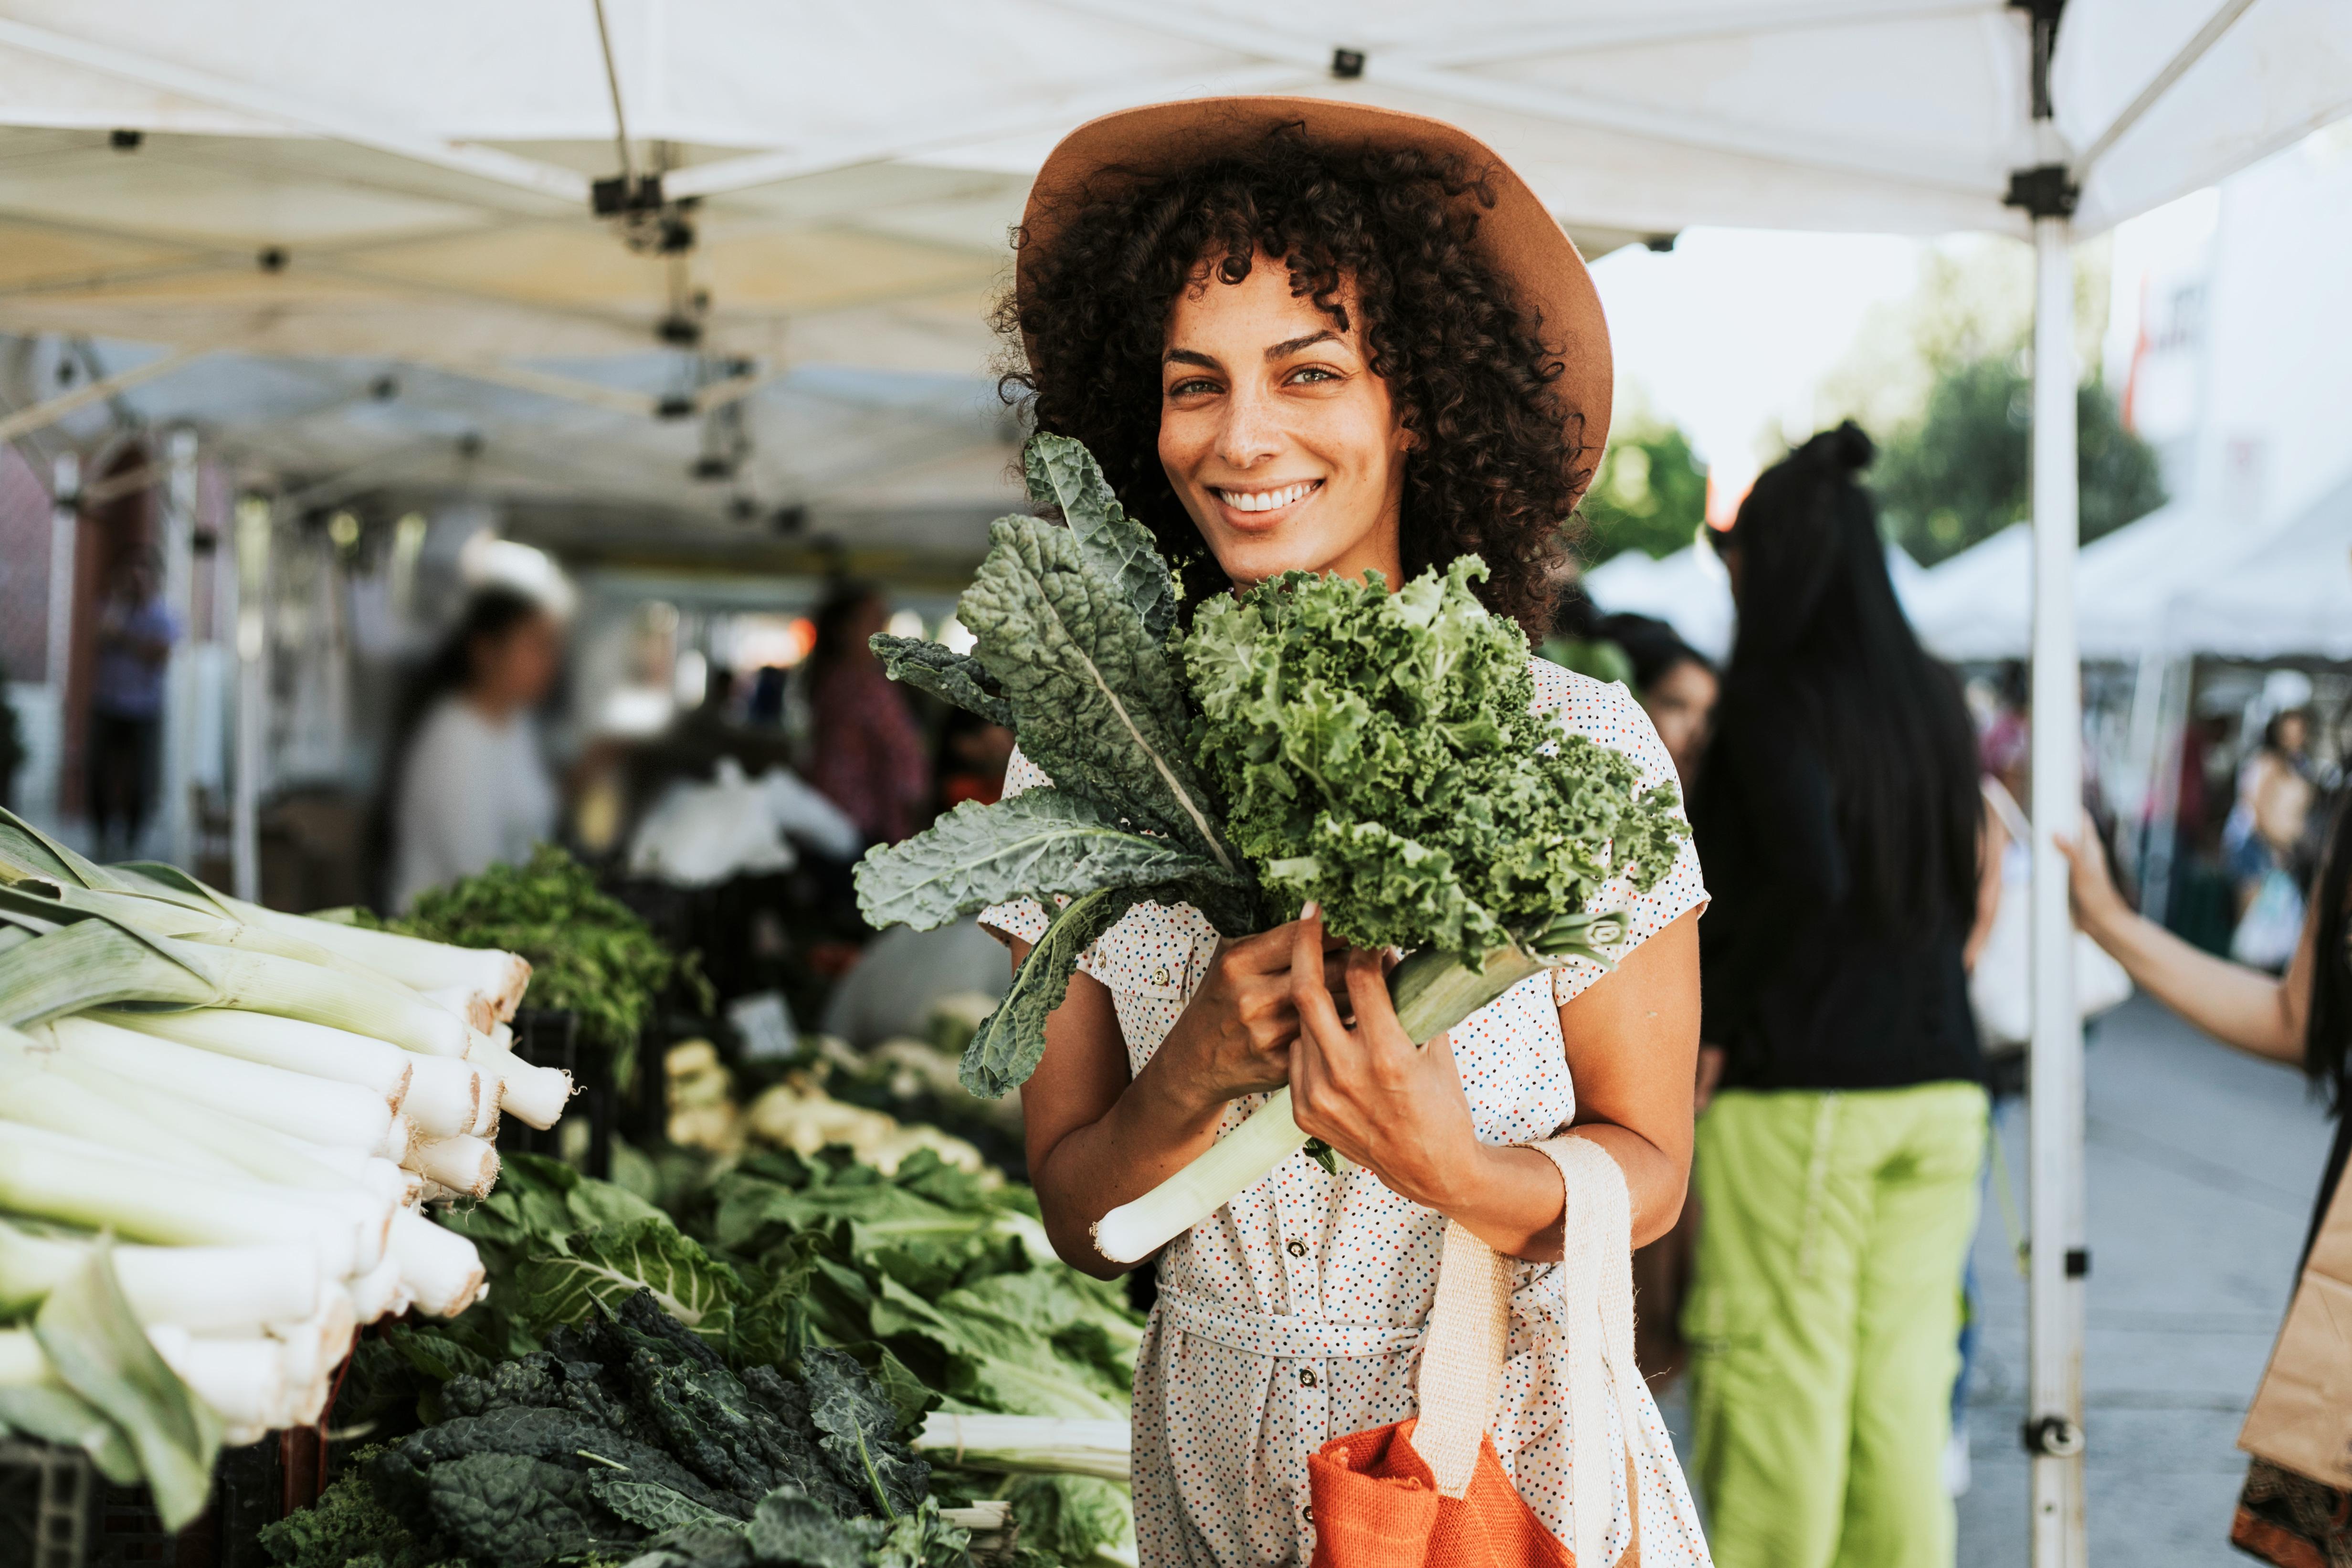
(1285, 448)
(1681, 703)
(514, 672)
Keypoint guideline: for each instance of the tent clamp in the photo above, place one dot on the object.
(621, 195)
(2052, 1437)
(2078, 1262)
(1347, 63)
(2045, 191)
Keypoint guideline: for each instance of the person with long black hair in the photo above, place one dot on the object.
(1837, 816)
(2303, 1018)
(469, 789)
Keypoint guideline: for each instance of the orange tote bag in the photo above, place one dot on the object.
(1431, 1491)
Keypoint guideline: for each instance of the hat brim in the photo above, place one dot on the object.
(1517, 235)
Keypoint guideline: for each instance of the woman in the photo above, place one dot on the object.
(865, 753)
(1837, 1163)
(1675, 684)
(470, 789)
(1310, 336)
(2261, 839)
(2304, 1019)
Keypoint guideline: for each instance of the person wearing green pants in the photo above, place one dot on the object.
(1837, 816)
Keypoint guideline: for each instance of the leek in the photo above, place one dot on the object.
(411, 960)
(463, 1164)
(535, 1094)
(318, 1109)
(1049, 1445)
(201, 1289)
(439, 1267)
(447, 1097)
(1433, 991)
(244, 1381)
(316, 1048)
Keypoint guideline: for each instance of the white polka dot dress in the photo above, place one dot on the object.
(1294, 1314)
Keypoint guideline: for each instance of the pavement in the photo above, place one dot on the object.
(2201, 1166)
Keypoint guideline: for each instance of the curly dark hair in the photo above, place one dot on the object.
(1497, 467)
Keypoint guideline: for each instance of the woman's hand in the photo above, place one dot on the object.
(2099, 906)
(1235, 1034)
(1391, 1106)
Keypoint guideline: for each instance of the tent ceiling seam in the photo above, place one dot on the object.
(1688, 26)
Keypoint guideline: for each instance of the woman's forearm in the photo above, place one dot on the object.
(2237, 1005)
(1149, 1134)
(1511, 1199)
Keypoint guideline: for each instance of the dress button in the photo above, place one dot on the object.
(1297, 1249)
(1306, 1377)
(1160, 977)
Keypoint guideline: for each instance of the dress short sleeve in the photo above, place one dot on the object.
(1608, 715)
(1022, 918)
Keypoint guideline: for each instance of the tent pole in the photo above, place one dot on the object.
(255, 524)
(180, 673)
(2055, 1101)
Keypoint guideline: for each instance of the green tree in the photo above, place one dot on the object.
(1962, 471)
(1650, 494)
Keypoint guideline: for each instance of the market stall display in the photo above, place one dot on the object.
(217, 1128)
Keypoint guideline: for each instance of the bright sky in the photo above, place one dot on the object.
(1729, 333)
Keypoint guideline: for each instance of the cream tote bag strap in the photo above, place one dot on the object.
(1470, 1329)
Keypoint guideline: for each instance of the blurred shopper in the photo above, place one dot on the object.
(135, 632)
(469, 786)
(865, 753)
(1676, 684)
(1837, 816)
(2261, 839)
(973, 755)
(2303, 1019)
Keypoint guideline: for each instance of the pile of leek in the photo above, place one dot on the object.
(220, 1124)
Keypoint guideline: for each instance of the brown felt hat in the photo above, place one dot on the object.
(1519, 236)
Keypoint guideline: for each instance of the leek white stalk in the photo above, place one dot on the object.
(439, 1268)
(462, 1163)
(245, 1380)
(1051, 1445)
(48, 1176)
(201, 1289)
(318, 1109)
(536, 1095)
(399, 1141)
(265, 983)
(480, 1012)
(316, 1048)
(418, 964)
(445, 1096)
(379, 1292)
(1432, 992)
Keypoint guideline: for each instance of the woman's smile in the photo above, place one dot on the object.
(1254, 507)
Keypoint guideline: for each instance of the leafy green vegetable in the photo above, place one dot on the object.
(1071, 1518)
(1062, 474)
(1376, 753)
(589, 954)
(860, 1427)
(956, 678)
(611, 1264)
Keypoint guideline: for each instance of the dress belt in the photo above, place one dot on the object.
(1268, 1333)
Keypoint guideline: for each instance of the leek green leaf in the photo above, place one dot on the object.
(98, 1350)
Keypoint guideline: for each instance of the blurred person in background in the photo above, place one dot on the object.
(866, 754)
(469, 787)
(1676, 684)
(973, 755)
(2301, 1019)
(1837, 816)
(135, 632)
(2261, 839)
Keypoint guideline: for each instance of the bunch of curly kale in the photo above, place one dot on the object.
(629, 1440)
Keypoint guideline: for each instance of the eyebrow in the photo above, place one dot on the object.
(1283, 351)
(1188, 357)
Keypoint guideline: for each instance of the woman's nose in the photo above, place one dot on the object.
(1252, 433)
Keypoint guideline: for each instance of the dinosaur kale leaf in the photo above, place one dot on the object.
(1063, 473)
(860, 1427)
(957, 678)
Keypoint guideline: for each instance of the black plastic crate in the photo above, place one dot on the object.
(57, 1511)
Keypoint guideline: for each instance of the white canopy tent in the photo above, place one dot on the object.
(416, 182)
(1690, 591)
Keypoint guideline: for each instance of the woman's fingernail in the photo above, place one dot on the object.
(1310, 910)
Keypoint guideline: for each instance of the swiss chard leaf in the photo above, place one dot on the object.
(1006, 1050)
(1062, 473)
(861, 1432)
(1035, 845)
(957, 678)
(1094, 693)
(610, 1265)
